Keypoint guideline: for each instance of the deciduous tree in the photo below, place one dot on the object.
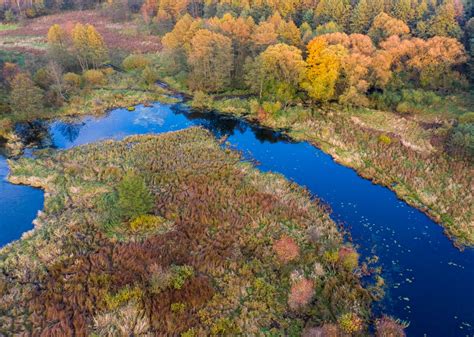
(276, 73)
(323, 69)
(385, 26)
(89, 46)
(26, 99)
(210, 59)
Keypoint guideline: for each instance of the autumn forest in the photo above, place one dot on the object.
(185, 233)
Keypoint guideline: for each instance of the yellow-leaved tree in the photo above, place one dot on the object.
(89, 46)
(211, 61)
(276, 73)
(57, 35)
(323, 69)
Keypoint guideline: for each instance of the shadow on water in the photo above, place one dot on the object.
(429, 282)
(35, 133)
(224, 126)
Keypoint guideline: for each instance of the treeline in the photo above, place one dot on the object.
(425, 18)
(403, 56)
(279, 61)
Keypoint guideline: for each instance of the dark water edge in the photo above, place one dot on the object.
(429, 281)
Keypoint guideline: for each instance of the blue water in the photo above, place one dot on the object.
(429, 282)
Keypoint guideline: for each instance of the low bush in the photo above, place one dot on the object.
(286, 249)
(271, 107)
(150, 75)
(108, 71)
(135, 62)
(42, 78)
(331, 257)
(461, 140)
(301, 293)
(467, 118)
(384, 139)
(122, 297)
(350, 323)
(389, 327)
(180, 274)
(93, 77)
(202, 101)
(147, 222)
(348, 258)
(405, 101)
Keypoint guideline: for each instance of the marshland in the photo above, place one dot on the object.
(292, 169)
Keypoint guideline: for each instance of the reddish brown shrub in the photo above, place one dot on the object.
(10, 70)
(388, 327)
(300, 294)
(327, 330)
(348, 258)
(286, 249)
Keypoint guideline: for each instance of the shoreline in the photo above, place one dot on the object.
(401, 190)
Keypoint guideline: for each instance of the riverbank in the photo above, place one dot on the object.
(271, 252)
(90, 101)
(389, 150)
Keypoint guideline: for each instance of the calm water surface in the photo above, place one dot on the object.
(430, 283)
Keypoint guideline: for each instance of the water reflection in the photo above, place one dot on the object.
(225, 126)
(70, 131)
(35, 133)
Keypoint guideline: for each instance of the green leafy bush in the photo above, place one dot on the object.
(348, 258)
(384, 139)
(405, 101)
(178, 307)
(350, 323)
(10, 16)
(467, 118)
(25, 97)
(271, 107)
(180, 275)
(147, 223)
(123, 296)
(461, 140)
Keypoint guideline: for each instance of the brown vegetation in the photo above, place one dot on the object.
(114, 34)
(205, 263)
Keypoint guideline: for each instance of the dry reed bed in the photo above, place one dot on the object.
(235, 250)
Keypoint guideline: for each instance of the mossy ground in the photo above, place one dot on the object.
(205, 262)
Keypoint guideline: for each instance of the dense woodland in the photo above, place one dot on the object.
(400, 56)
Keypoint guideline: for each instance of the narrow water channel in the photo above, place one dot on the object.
(429, 282)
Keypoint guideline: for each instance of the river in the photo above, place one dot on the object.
(429, 281)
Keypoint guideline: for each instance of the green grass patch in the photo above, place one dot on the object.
(8, 26)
